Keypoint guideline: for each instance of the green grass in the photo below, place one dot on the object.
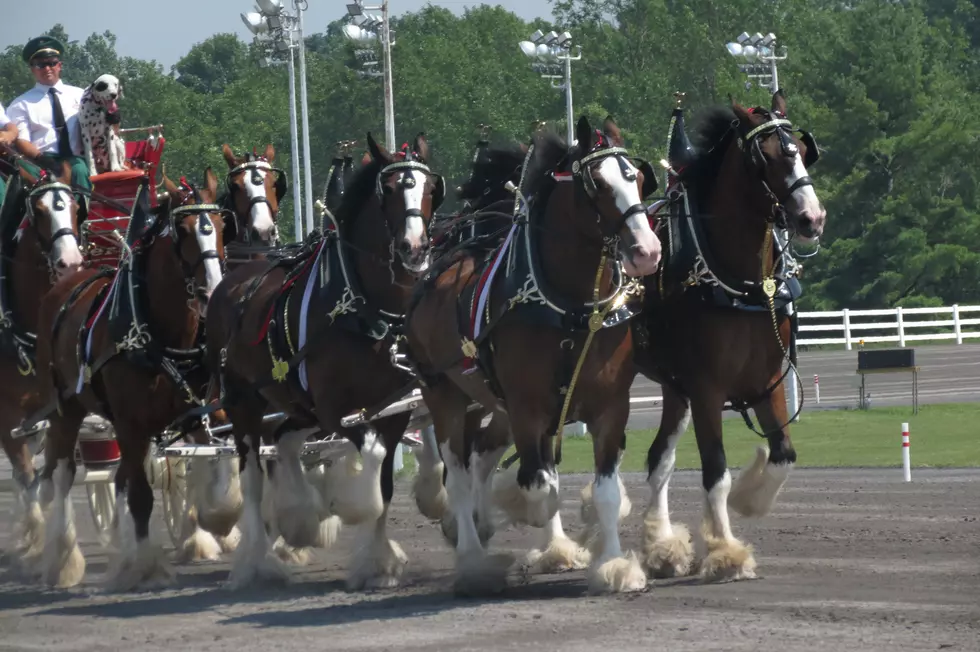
(942, 435)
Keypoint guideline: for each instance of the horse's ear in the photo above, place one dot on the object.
(65, 176)
(270, 153)
(378, 152)
(211, 183)
(585, 135)
(741, 113)
(170, 186)
(229, 156)
(779, 102)
(421, 147)
(612, 132)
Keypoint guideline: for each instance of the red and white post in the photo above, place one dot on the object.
(816, 386)
(906, 458)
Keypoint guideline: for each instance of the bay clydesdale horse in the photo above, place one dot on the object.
(546, 342)
(716, 325)
(312, 336)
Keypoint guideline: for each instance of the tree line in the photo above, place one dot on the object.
(889, 89)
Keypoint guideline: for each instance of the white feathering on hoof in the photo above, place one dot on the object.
(358, 498)
(329, 532)
(297, 502)
(755, 490)
(727, 560)
(666, 554)
(534, 506)
(378, 561)
(429, 492)
(64, 565)
(618, 575)
(198, 544)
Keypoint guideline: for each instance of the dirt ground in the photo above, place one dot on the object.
(850, 560)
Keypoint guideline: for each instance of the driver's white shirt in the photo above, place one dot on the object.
(32, 114)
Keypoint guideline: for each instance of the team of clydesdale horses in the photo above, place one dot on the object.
(535, 306)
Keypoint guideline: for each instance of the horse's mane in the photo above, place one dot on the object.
(504, 159)
(362, 185)
(710, 139)
(549, 150)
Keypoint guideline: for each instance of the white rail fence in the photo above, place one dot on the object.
(900, 325)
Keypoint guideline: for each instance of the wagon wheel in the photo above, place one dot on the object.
(173, 476)
(102, 503)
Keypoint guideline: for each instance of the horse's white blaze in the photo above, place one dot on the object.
(807, 196)
(261, 214)
(645, 255)
(64, 248)
(414, 193)
(209, 242)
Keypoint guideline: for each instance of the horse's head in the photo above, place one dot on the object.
(196, 227)
(614, 189)
(409, 194)
(256, 187)
(780, 159)
(492, 169)
(53, 213)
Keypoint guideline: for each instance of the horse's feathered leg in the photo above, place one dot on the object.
(728, 558)
(610, 568)
(666, 546)
(378, 562)
(62, 560)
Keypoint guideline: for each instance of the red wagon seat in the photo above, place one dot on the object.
(120, 187)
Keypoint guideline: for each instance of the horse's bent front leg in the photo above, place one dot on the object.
(755, 490)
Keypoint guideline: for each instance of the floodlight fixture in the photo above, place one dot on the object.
(734, 49)
(769, 39)
(551, 37)
(354, 9)
(529, 49)
(743, 38)
(254, 22)
(537, 36)
(269, 7)
(564, 38)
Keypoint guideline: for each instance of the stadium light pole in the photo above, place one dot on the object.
(760, 54)
(366, 29)
(286, 34)
(549, 53)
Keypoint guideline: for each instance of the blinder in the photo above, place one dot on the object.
(439, 192)
(650, 183)
(812, 153)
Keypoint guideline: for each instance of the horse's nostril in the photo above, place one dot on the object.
(61, 264)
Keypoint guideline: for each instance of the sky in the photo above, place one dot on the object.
(165, 30)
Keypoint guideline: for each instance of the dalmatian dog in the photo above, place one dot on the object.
(98, 119)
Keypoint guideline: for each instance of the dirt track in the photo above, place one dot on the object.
(849, 561)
